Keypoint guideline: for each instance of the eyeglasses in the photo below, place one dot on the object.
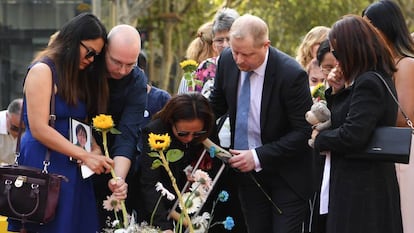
(334, 54)
(89, 52)
(186, 134)
(120, 64)
(221, 40)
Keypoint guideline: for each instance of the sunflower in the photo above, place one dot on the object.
(189, 65)
(103, 122)
(159, 142)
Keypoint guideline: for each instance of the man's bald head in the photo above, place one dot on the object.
(124, 46)
(125, 35)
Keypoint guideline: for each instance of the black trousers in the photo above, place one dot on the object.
(260, 213)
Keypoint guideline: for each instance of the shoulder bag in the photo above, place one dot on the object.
(388, 144)
(30, 194)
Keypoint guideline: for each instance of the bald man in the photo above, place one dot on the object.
(127, 101)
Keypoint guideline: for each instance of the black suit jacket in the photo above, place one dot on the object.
(284, 130)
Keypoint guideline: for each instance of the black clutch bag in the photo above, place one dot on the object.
(388, 144)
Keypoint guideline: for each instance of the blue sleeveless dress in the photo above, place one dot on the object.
(76, 211)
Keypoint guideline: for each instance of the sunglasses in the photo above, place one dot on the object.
(15, 128)
(89, 52)
(186, 134)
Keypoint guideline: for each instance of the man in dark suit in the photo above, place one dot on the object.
(274, 162)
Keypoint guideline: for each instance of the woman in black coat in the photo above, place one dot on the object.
(363, 195)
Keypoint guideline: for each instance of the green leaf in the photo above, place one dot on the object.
(174, 155)
(114, 131)
(154, 154)
(156, 164)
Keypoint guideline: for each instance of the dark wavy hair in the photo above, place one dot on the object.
(89, 85)
(188, 106)
(387, 17)
(359, 47)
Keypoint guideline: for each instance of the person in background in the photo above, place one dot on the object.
(156, 100)
(315, 74)
(273, 159)
(206, 70)
(127, 100)
(188, 119)
(200, 49)
(326, 59)
(359, 194)
(71, 67)
(388, 18)
(9, 130)
(310, 44)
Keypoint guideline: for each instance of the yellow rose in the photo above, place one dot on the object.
(103, 122)
(159, 142)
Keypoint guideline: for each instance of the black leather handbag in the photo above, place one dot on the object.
(30, 194)
(388, 144)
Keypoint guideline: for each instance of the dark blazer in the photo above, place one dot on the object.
(284, 130)
(363, 195)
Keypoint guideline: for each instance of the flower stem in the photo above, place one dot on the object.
(123, 208)
(174, 184)
(155, 210)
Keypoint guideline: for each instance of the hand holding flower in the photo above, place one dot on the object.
(97, 163)
(242, 160)
(104, 124)
(118, 187)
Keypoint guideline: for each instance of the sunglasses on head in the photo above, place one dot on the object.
(186, 134)
(89, 52)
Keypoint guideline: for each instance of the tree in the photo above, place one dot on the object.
(170, 25)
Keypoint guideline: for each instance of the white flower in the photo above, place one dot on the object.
(201, 222)
(198, 190)
(191, 202)
(164, 191)
(187, 170)
(111, 203)
(203, 178)
(115, 223)
(120, 231)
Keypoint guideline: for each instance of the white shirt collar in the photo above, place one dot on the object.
(3, 122)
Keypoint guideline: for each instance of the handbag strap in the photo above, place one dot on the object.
(52, 119)
(409, 122)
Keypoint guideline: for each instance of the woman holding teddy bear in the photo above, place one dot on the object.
(362, 196)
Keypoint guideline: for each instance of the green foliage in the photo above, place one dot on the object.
(288, 21)
(156, 164)
(174, 155)
(154, 154)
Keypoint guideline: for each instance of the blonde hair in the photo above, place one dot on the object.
(201, 47)
(315, 36)
(250, 25)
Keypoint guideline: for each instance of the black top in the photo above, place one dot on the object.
(149, 177)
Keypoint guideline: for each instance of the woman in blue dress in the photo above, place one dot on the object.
(66, 64)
